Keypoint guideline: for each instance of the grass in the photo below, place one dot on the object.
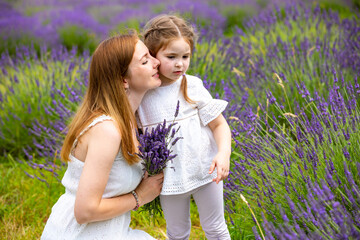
(26, 203)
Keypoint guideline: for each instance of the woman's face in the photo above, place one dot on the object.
(143, 70)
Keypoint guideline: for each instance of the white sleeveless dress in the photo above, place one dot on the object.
(123, 179)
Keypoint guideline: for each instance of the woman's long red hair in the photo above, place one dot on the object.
(106, 94)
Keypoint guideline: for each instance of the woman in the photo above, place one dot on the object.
(103, 182)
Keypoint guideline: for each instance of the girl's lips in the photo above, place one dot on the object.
(178, 72)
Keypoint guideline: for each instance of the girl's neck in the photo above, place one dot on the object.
(166, 81)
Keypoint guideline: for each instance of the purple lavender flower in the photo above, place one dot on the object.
(270, 97)
(155, 152)
(177, 109)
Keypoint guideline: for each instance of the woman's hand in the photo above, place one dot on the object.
(221, 162)
(102, 142)
(149, 188)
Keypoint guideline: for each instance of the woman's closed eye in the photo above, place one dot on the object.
(145, 62)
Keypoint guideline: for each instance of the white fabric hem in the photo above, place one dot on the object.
(93, 123)
(212, 110)
(187, 188)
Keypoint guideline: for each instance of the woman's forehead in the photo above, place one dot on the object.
(140, 50)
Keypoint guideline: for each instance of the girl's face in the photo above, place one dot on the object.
(143, 70)
(174, 60)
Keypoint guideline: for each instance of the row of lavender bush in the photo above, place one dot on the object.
(84, 23)
(45, 81)
(290, 75)
(296, 156)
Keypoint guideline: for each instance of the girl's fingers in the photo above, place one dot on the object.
(219, 176)
(212, 167)
(222, 174)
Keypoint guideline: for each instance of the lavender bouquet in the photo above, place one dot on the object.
(155, 152)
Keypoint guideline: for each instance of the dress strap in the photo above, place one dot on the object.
(93, 123)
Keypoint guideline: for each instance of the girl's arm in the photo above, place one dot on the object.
(222, 135)
(102, 148)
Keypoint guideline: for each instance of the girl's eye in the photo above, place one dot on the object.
(185, 57)
(171, 57)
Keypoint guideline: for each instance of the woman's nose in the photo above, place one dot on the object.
(156, 62)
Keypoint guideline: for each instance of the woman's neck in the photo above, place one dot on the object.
(135, 100)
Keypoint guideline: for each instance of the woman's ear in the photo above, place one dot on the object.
(126, 83)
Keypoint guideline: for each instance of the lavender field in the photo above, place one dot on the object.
(289, 70)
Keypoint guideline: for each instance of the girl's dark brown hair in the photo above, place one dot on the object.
(106, 94)
(163, 29)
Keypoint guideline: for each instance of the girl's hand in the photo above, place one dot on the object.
(149, 188)
(221, 162)
(222, 136)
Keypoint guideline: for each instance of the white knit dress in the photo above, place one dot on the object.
(189, 170)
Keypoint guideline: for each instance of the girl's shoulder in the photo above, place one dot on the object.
(193, 81)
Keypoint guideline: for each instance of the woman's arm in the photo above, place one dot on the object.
(102, 147)
(222, 136)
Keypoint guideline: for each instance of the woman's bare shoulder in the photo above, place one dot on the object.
(106, 130)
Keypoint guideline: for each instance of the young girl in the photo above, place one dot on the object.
(206, 143)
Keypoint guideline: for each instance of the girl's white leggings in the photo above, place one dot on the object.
(210, 204)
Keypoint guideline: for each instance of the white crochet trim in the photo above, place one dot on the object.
(183, 187)
(95, 121)
(212, 110)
